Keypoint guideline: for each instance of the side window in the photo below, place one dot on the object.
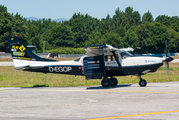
(109, 58)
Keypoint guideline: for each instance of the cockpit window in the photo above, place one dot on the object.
(126, 54)
(77, 59)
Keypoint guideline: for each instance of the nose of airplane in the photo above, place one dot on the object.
(169, 59)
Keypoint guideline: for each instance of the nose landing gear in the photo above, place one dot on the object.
(142, 82)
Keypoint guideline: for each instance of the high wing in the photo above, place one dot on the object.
(98, 50)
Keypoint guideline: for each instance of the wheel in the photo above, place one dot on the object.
(114, 82)
(106, 82)
(142, 83)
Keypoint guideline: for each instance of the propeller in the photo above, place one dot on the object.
(167, 59)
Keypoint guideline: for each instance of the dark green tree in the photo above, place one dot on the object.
(123, 29)
(3, 8)
(131, 39)
(147, 17)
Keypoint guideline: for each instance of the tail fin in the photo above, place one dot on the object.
(21, 54)
(20, 51)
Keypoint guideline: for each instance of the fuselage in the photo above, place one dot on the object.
(131, 66)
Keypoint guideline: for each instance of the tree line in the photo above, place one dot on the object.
(124, 29)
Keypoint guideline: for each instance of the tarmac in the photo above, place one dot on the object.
(6, 64)
(156, 101)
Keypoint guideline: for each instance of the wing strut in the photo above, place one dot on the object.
(117, 60)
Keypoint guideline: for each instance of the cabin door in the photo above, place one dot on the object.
(93, 67)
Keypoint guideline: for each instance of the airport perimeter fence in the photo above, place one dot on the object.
(44, 55)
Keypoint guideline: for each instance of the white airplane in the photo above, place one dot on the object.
(99, 61)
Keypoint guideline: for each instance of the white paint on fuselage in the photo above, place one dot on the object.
(136, 61)
(21, 63)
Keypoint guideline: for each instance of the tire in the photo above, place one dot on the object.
(106, 82)
(142, 83)
(114, 82)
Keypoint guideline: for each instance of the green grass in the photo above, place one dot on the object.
(9, 77)
(171, 68)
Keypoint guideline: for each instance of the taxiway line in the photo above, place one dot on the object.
(125, 116)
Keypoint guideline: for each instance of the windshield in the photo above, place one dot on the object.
(126, 54)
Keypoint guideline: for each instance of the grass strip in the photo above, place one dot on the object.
(9, 77)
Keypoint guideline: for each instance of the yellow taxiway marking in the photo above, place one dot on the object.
(125, 116)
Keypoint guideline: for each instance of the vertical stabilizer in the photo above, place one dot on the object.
(21, 54)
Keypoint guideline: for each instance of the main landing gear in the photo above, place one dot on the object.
(142, 82)
(106, 82)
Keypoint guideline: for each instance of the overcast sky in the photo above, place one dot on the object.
(96, 8)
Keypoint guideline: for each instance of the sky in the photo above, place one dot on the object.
(96, 8)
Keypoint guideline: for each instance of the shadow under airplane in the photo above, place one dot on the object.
(118, 86)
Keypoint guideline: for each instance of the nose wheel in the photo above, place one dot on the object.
(142, 82)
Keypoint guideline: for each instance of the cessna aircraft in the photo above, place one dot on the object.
(99, 61)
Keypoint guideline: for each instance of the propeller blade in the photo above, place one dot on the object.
(166, 51)
(166, 56)
(166, 65)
